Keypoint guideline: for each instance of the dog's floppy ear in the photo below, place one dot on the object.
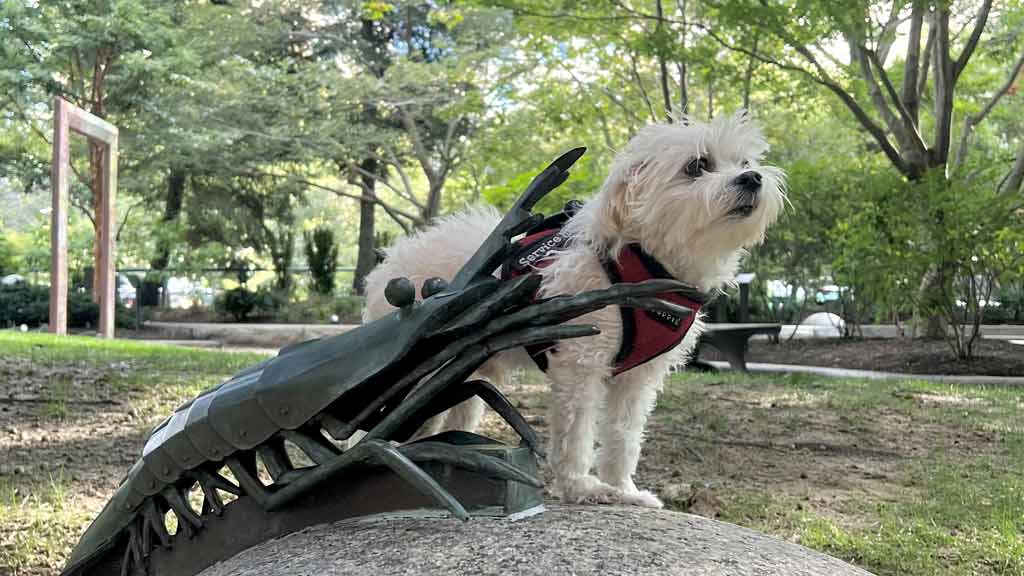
(618, 192)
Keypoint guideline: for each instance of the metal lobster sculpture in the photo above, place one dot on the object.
(385, 378)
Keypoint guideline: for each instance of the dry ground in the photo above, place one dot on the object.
(898, 477)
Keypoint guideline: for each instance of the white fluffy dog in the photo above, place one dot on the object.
(693, 195)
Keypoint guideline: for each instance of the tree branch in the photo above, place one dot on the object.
(662, 66)
(352, 166)
(888, 33)
(419, 150)
(1013, 179)
(630, 115)
(910, 96)
(929, 47)
(860, 52)
(972, 42)
(944, 89)
(124, 220)
(394, 213)
(972, 120)
(909, 122)
(406, 183)
(825, 80)
(640, 85)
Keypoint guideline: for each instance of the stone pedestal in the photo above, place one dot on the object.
(579, 540)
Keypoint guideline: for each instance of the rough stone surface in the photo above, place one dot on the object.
(563, 540)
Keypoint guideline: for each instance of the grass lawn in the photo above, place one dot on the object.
(896, 477)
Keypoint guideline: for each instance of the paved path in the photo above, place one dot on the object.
(873, 375)
(258, 335)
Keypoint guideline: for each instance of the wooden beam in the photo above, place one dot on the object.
(90, 126)
(70, 117)
(107, 263)
(58, 323)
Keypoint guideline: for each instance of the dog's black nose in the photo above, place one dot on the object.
(749, 181)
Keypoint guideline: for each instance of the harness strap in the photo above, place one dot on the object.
(646, 334)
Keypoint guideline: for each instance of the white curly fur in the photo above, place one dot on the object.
(683, 222)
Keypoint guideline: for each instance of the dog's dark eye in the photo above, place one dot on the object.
(745, 164)
(697, 166)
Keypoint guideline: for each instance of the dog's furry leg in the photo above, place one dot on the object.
(431, 426)
(629, 401)
(466, 415)
(575, 395)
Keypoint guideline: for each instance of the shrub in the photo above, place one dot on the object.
(238, 302)
(934, 247)
(322, 257)
(24, 303)
(349, 308)
(8, 256)
(319, 308)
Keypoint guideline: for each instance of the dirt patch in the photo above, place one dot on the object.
(903, 355)
(709, 439)
(67, 422)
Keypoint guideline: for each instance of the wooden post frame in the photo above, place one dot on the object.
(69, 118)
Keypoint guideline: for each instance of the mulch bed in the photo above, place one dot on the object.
(905, 355)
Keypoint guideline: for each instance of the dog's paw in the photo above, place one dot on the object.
(587, 490)
(642, 498)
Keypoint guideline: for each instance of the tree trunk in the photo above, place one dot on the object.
(172, 208)
(433, 208)
(173, 200)
(748, 76)
(367, 258)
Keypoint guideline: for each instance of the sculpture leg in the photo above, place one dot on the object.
(479, 391)
(370, 452)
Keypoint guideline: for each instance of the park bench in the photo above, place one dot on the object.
(731, 340)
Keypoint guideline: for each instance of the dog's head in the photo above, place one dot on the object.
(690, 192)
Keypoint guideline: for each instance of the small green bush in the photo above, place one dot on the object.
(319, 308)
(8, 256)
(238, 302)
(322, 257)
(25, 303)
(241, 303)
(349, 308)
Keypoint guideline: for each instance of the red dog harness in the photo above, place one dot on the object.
(646, 334)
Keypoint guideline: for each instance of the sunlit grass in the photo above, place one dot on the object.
(38, 524)
(956, 519)
(50, 348)
(961, 516)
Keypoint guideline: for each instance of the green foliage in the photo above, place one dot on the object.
(319, 308)
(24, 303)
(322, 257)
(242, 304)
(8, 256)
(238, 302)
(902, 233)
